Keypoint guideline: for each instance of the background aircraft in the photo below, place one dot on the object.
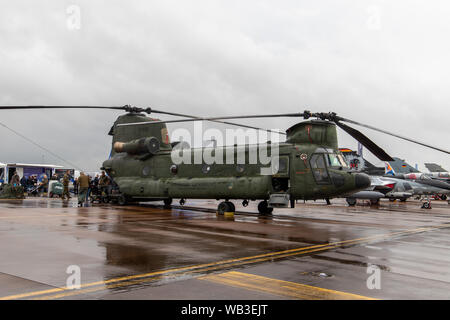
(388, 183)
(437, 171)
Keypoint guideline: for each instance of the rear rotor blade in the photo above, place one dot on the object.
(366, 142)
(129, 108)
(60, 107)
(395, 135)
(218, 121)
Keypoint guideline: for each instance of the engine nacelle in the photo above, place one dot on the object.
(148, 145)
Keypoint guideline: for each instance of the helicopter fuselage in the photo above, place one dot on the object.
(304, 171)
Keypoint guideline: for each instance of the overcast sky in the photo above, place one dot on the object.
(384, 63)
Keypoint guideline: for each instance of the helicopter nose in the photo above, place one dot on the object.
(362, 180)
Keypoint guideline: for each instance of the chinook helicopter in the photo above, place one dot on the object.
(307, 166)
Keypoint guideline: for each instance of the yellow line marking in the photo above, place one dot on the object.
(103, 287)
(225, 263)
(280, 287)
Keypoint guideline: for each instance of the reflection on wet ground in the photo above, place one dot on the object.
(40, 238)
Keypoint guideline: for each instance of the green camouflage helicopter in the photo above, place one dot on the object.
(307, 166)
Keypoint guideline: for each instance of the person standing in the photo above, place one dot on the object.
(44, 184)
(24, 182)
(33, 181)
(15, 183)
(75, 186)
(29, 182)
(104, 183)
(83, 183)
(66, 180)
(15, 179)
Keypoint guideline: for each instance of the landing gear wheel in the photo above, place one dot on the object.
(444, 197)
(403, 199)
(225, 206)
(263, 208)
(122, 200)
(231, 206)
(167, 203)
(374, 201)
(351, 201)
(426, 205)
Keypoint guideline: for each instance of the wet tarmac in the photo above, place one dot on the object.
(391, 251)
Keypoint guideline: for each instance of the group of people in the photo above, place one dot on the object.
(30, 183)
(83, 186)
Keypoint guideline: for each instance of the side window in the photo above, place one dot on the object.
(280, 165)
(319, 169)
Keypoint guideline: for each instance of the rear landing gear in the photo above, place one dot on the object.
(225, 206)
(426, 205)
(263, 208)
(168, 203)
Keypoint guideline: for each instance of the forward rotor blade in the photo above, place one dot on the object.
(218, 118)
(366, 142)
(395, 135)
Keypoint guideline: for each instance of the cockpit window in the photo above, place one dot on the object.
(336, 160)
(333, 160)
(342, 160)
(318, 168)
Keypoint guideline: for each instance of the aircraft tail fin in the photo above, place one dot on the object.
(433, 167)
(388, 170)
(400, 166)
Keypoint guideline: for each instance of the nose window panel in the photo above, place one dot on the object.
(319, 169)
(333, 160)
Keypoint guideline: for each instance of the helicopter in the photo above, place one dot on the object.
(307, 166)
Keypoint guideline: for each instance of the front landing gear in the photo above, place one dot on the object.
(426, 205)
(263, 208)
(123, 200)
(226, 206)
